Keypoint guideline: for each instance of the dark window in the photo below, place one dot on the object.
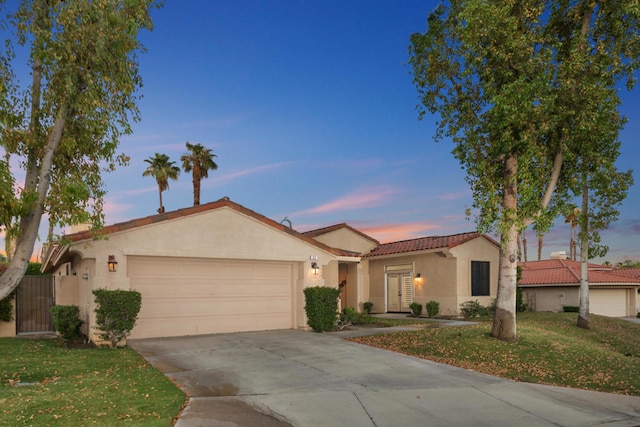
(480, 278)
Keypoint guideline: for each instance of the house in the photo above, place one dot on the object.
(220, 267)
(549, 285)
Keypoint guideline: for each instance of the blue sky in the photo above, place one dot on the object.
(311, 110)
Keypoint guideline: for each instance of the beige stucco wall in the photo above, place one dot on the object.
(66, 290)
(479, 249)
(551, 298)
(221, 233)
(343, 238)
(439, 280)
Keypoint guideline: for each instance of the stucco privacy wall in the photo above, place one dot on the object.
(8, 329)
(221, 233)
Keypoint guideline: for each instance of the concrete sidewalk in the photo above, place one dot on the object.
(299, 378)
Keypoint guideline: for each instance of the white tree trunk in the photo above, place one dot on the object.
(504, 320)
(30, 223)
(583, 312)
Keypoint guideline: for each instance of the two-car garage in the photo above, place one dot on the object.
(191, 296)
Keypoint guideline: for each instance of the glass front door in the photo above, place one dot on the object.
(399, 291)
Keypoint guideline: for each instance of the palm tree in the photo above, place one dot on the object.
(198, 161)
(162, 169)
(572, 216)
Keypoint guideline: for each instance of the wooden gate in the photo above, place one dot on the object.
(33, 298)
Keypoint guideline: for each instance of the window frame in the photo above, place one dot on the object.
(480, 278)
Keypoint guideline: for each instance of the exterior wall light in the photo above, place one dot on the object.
(417, 280)
(112, 263)
(315, 267)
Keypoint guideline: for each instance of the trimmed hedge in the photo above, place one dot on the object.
(416, 309)
(116, 313)
(321, 306)
(66, 320)
(433, 308)
(571, 309)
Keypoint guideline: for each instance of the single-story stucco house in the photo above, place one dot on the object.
(220, 267)
(548, 285)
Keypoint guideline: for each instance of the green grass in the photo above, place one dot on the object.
(550, 350)
(363, 319)
(43, 383)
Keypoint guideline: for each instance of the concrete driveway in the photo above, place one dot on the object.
(299, 378)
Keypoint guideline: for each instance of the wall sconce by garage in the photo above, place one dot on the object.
(112, 263)
(314, 266)
(417, 279)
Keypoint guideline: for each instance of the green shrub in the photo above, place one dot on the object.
(570, 308)
(367, 307)
(349, 315)
(116, 313)
(638, 315)
(416, 309)
(6, 307)
(321, 307)
(433, 308)
(472, 309)
(66, 320)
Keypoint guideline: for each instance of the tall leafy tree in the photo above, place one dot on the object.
(199, 161)
(506, 79)
(162, 169)
(64, 125)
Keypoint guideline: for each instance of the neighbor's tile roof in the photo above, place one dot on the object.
(425, 243)
(630, 272)
(567, 272)
(329, 229)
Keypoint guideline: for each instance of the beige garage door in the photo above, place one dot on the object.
(608, 302)
(187, 296)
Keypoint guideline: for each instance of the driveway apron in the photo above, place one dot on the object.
(300, 378)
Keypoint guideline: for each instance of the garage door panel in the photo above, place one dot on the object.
(211, 296)
(608, 302)
(159, 308)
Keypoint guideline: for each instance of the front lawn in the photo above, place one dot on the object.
(550, 350)
(43, 383)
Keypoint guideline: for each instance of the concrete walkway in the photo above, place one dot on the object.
(299, 378)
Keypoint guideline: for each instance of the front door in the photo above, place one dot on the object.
(399, 291)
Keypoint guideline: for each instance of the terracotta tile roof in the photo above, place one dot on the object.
(567, 272)
(54, 251)
(329, 229)
(425, 243)
(630, 272)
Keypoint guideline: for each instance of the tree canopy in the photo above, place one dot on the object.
(514, 85)
(64, 122)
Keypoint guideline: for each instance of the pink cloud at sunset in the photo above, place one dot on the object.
(357, 200)
(385, 233)
(245, 172)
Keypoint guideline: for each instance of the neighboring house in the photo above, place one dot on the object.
(549, 285)
(220, 267)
